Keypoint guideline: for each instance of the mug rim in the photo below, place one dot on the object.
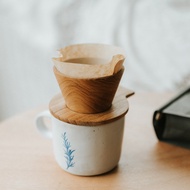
(85, 125)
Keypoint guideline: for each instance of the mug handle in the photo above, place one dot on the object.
(41, 126)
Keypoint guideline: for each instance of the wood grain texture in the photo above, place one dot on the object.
(118, 109)
(27, 161)
(88, 95)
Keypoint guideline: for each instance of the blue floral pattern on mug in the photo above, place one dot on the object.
(68, 151)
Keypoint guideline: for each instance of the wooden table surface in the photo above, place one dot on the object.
(27, 161)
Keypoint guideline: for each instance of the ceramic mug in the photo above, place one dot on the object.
(84, 150)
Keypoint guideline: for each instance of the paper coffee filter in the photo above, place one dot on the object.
(91, 50)
(91, 60)
(81, 70)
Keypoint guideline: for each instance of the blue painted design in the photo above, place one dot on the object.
(68, 151)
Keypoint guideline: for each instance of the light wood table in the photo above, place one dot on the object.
(27, 161)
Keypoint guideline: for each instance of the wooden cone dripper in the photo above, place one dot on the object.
(93, 95)
(89, 87)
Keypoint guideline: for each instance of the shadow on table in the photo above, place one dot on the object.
(172, 154)
(181, 144)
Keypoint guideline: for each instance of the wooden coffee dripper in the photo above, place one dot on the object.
(87, 79)
(88, 95)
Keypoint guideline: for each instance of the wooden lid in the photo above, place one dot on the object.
(119, 108)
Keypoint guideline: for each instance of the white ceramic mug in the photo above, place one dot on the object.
(84, 150)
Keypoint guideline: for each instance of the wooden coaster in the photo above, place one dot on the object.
(118, 109)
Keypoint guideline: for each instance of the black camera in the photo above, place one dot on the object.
(172, 121)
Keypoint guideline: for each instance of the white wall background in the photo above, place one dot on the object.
(155, 34)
